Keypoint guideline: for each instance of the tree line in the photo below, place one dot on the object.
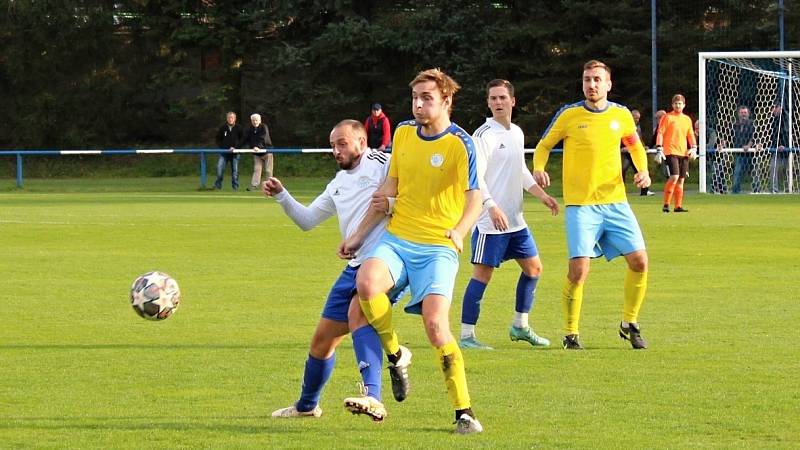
(115, 74)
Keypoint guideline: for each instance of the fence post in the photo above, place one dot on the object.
(202, 169)
(19, 170)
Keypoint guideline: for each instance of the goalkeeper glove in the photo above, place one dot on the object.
(692, 154)
(660, 158)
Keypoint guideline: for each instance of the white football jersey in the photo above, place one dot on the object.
(348, 196)
(500, 156)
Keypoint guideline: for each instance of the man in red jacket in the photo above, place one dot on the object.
(379, 130)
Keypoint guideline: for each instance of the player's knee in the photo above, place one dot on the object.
(533, 268)
(322, 347)
(638, 262)
(356, 319)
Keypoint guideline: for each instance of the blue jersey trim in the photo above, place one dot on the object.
(469, 146)
(433, 138)
(558, 114)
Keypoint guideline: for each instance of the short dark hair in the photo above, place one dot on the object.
(499, 82)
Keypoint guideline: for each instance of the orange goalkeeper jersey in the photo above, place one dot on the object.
(675, 131)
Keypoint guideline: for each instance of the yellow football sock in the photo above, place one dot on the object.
(378, 311)
(635, 288)
(452, 364)
(571, 300)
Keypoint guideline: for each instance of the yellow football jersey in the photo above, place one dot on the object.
(592, 173)
(433, 173)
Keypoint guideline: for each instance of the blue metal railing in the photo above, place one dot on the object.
(20, 154)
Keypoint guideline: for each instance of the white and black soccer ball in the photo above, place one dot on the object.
(155, 295)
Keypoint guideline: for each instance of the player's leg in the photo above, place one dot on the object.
(572, 300)
(220, 172)
(373, 282)
(369, 358)
(683, 170)
(584, 226)
(634, 293)
(622, 236)
(525, 298)
(487, 254)
(318, 368)
(471, 305)
(377, 275)
(673, 167)
(435, 316)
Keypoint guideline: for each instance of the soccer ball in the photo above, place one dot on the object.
(155, 295)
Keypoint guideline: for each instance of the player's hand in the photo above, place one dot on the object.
(692, 154)
(456, 238)
(348, 248)
(271, 187)
(660, 158)
(551, 203)
(380, 202)
(542, 178)
(642, 179)
(499, 219)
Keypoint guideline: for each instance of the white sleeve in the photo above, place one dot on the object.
(306, 217)
(482, 154)
(527, 179)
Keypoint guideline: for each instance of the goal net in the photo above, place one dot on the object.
(749, 122)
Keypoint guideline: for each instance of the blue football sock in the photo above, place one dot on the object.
(471, 306)
(317, 373)
(526, 292)
(369, 357)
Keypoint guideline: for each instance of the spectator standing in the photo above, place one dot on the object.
(743, 130)
(257, 138)
(229, 136)
(779, 140)
(379, 129)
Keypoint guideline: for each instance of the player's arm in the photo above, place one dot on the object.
(691, 140)
(553, 134)
(472, 209)
(529, 184)
(482, 154)
(305, 217)
(639, 156)
(348, 247)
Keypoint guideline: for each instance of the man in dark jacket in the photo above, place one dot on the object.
(257, 138)
(378, 128)
(229, 136)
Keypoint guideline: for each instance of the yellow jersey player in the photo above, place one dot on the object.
(599, 220)
(433, 177)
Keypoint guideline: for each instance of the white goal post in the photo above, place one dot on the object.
(755, 150)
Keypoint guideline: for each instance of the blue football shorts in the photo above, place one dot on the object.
(426, 268)
(493, 249)
(342, 292)
(602, 230)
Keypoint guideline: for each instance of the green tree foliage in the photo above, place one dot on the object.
(101, 74)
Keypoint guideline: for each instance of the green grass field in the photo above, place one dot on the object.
(80, 370)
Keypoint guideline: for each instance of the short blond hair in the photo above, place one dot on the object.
(678, 97)
(447, 85)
